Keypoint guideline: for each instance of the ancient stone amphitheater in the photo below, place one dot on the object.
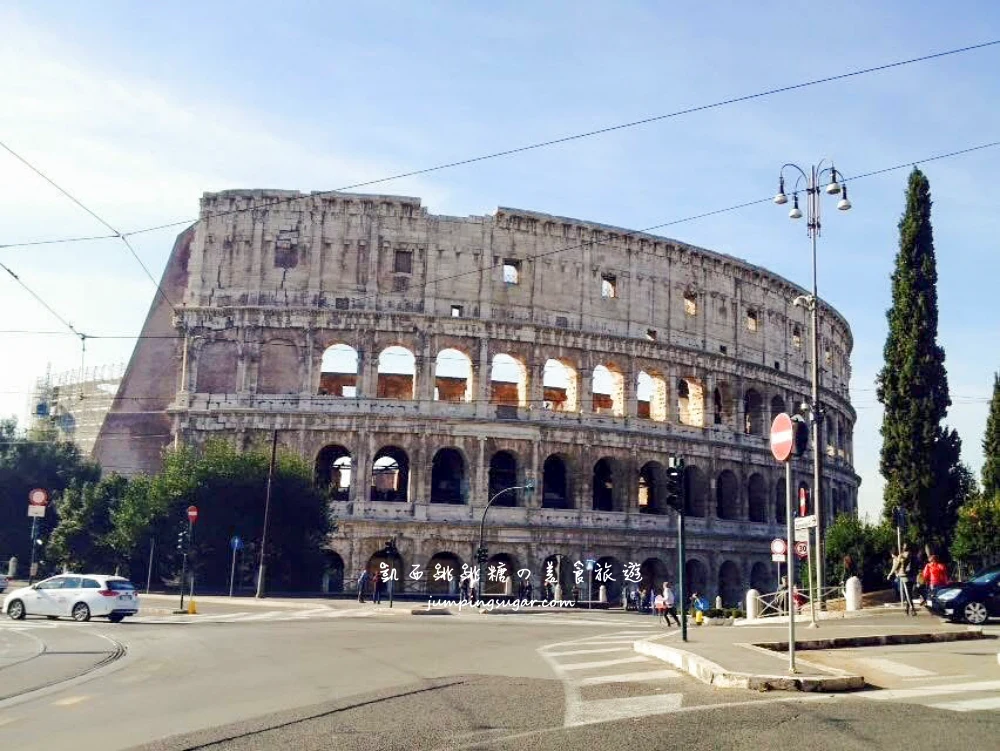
(425, 363)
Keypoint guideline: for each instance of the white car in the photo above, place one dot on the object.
(79, 596)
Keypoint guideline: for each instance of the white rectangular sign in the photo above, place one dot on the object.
(805, 522)
(802, 535)
(36, 510)
(778, 557)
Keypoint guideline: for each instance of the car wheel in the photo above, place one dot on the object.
(975, 613)
(116, 618)
(16, 610)
(81, 612)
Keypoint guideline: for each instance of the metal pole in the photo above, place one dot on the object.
(482, 533)
(232, 572)
(31, 564)
(812, 580)
(790, 521)
(681, 602)
(184, 563)
(191, 547)
(149, 573)
(816, 411)
(267, 516)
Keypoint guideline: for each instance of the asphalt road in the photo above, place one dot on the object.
(347, 678)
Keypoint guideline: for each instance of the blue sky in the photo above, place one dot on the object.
(139, 109)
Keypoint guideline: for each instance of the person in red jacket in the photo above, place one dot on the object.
(934, 575)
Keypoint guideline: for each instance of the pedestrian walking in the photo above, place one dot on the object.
(669, 604)
(935, 575)
(377, 589)
(362, 584)
(902, 567)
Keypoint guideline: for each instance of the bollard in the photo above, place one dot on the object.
(752, 604)
(602, 593)
(557, 592)
(852, 594)
(508, 586)
(718, 602)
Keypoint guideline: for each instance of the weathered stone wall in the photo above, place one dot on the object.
(669, 350)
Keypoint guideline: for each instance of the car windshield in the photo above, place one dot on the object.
(120, 585)
(987, 578)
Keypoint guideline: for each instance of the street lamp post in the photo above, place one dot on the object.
(481, 553)
(813, 179)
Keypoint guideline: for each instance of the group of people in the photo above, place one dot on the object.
(663, 604)
(913, 580)
(370, 584)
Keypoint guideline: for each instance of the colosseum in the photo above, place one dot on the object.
(425, 363)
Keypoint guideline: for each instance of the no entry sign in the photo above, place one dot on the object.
(192, 514)
(782, 437)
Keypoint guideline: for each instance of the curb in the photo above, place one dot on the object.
(713, 674)
(430, 611)
(884, 640)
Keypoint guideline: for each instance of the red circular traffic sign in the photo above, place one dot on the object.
(803, 502)
(802, 549)
(778, 546)
(782, 437)
(38, 497)
(192, 514)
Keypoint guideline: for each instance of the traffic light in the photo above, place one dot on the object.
(800, 435)
(482, 555)
(390, 547)
(182, 539)
(675, 484)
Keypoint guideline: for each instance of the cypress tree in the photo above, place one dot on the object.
(918, 455)
(991, 445)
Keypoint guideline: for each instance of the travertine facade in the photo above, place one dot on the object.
(427, 362)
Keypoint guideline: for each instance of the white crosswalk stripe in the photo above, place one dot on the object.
(268, 616)
(943, 696)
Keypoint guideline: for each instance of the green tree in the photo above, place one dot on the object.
(919, 455)
(28, 462)
(82, 539)
(991, 444)
(870, 547)
(977, 534)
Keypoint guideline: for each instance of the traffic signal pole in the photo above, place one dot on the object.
(677, 497)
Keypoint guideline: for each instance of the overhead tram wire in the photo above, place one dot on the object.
(79, 203)
(547, 143)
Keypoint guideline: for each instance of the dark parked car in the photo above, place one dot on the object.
(973, 601)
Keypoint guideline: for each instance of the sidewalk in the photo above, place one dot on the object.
(756, 656)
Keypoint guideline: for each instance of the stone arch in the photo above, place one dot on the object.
(333, 471)
(508, 381)
(390, 478)
(448, 481)
(607, 486)
(278, 368)
(509, 571)
(651, 396)
(762, 578)
(780, 502)
(607, 563)
(333, 572)
(652, 489)
(556, 487)
(562, 572)
(452, 376)
(695, 579)
(727, 495)
(216, 367)
(560, 386)
(397, 373)
(757, 498)
(394, 564)
(777, 405)
(608, 389)
(504, 474)
(439, 564)
(653, 572)
(696, 497)
(730, 585)
(722, 404)
(339, 371)
(691, 402)
(753, 412)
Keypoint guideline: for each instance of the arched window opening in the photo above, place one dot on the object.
(730, 585)
(780, 502)
(753, 422)
(397, 368)
(722, 405)
(652, 489)
(757, 499)
(339, 372)
(390, 475)
(762, 578)
(609, 391)
(448, 477)
(777, 406)
(696, 492)
(508, 382)
(651, 395)
(727, 495)
(555, 483)
(696, 578)
(333, 472)
(605, 490)
(452, 376)
(444, 570)
(691, 402)
(559, 383)
(503, 475)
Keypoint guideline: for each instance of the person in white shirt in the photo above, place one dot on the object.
(670, 604)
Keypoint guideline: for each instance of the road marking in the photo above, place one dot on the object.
(604, 642)
(606, 710)
(646, 675)
(925, 691)
(970, 705)
(602, 663)
(895, 668)
(591, 651)
(69, 701)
